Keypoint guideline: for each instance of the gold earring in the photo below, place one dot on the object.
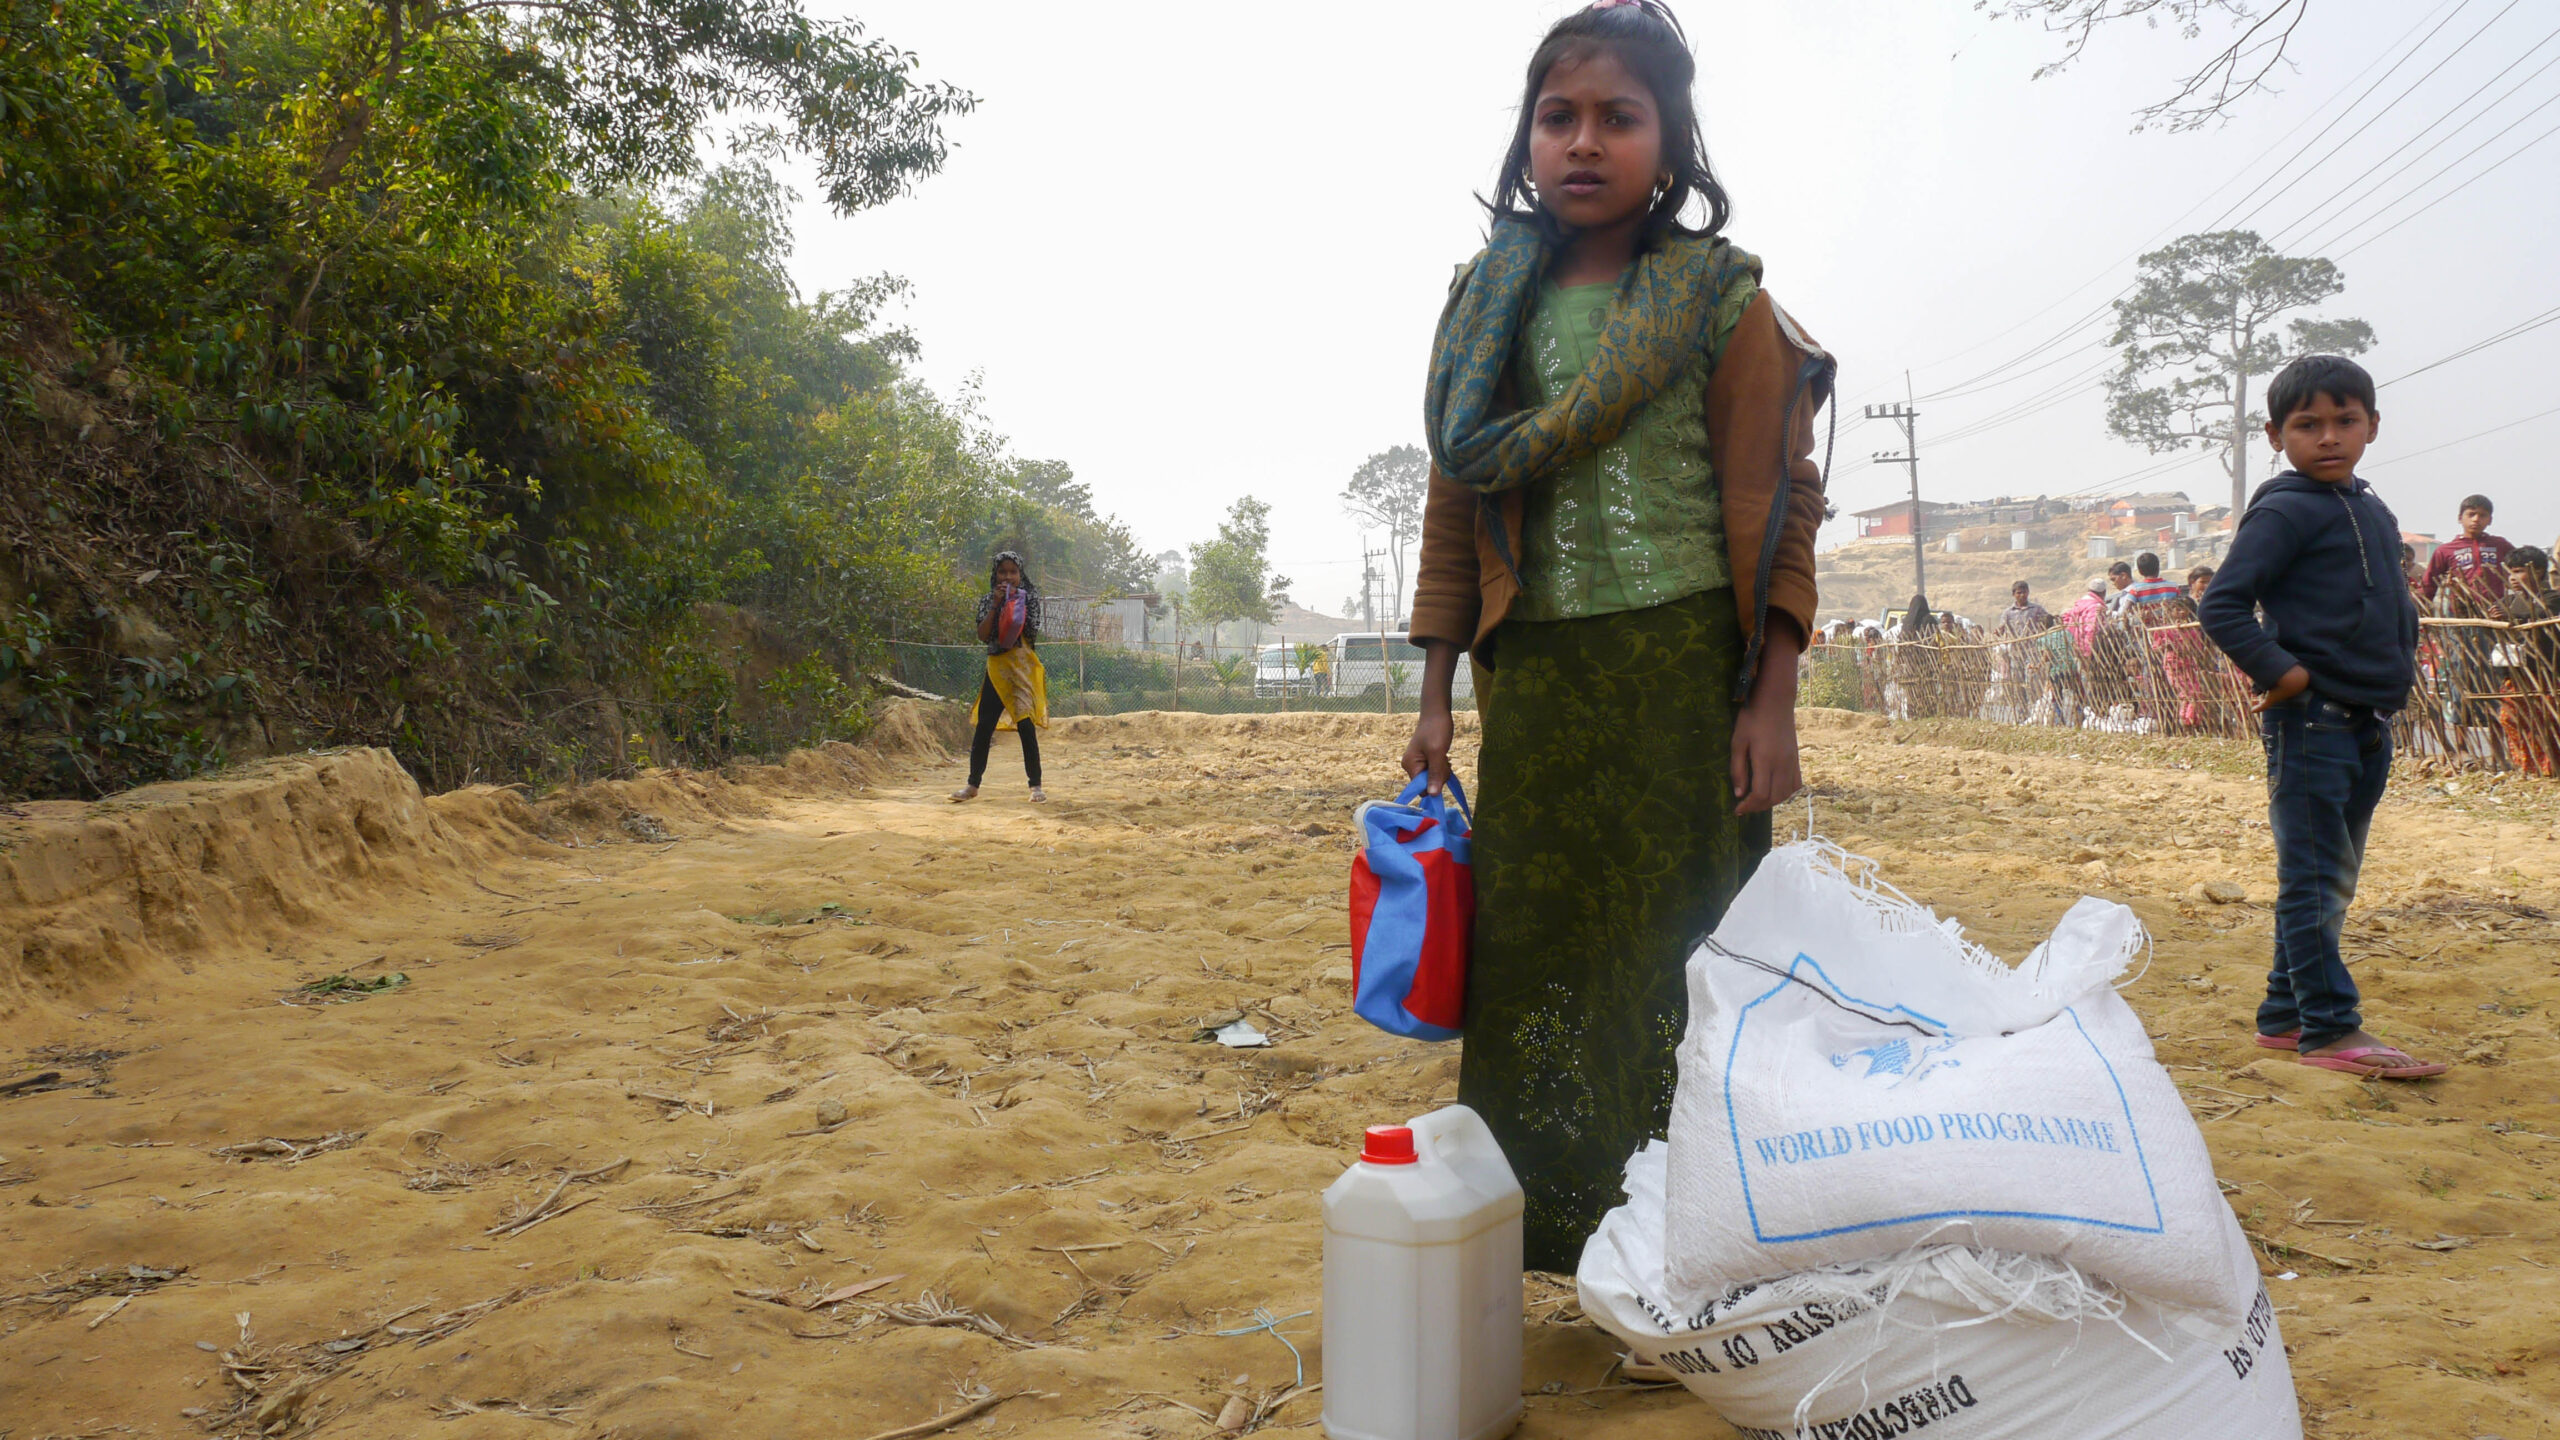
(1662, 184)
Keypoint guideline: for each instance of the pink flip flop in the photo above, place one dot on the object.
(2289, 1040)
(2355, 1062)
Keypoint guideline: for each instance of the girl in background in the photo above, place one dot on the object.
(2082, 622)
(2186, 664)
(1016, 689)
(1620, 529)
(1911, 693)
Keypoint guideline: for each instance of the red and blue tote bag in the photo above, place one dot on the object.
(1413, 912)
(1013, 615)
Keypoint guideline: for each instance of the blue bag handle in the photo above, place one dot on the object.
(1411, 796)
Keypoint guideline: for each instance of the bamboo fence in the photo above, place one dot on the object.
(2487, 695)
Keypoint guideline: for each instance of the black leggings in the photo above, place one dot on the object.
(990, 710)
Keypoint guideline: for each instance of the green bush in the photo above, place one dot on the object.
(1833, 681)
(434, 388)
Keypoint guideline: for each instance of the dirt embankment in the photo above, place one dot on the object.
(93, 895)
(813, 1103)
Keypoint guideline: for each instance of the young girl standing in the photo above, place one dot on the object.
(1016, 689)
(1620, 530)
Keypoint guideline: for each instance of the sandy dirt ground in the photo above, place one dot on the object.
(839, 1111)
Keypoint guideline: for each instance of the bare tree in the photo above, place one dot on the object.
(2202, 322)
(1387, 491)
(2234, 73)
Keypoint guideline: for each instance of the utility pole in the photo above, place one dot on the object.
(1909, 419)
(1369, 579)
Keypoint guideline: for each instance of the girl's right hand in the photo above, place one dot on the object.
(1429, 747)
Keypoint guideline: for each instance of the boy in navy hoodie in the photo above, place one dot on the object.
(2317, 553)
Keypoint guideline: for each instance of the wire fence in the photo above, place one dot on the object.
(1368, 675)
(2487, 697)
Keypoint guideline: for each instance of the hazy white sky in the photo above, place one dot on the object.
(1196, 250)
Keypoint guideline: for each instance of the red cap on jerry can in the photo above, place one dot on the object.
(1389, 1145)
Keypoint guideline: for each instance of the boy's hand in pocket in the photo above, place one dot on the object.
(2295, 681)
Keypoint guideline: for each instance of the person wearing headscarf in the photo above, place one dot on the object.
(1619, 531)
(2083, 623)
(1910, 695)
(2083, 617)
(1015, 693)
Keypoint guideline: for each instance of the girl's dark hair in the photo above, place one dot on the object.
(1646, 38)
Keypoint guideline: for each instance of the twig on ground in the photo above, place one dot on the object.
(456, 1409)
(292, 1152)
(544, 1211)
(971, 1411)
(933, 1309)
(440, 1326)
(670, 1207)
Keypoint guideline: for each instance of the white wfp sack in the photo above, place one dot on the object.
(1857, 1079)
(1961, 1344)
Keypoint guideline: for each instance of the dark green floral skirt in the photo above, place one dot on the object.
(1606, 845)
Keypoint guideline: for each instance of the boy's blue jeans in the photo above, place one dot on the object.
(2326, 767)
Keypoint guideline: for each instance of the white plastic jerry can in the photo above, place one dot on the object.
(1422, 1286)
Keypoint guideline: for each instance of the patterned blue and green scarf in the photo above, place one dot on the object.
(1660, 321)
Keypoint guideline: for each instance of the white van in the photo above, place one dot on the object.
(1276, 673)
(1364, 661)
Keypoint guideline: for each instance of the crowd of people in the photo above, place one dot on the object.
(2129, 653)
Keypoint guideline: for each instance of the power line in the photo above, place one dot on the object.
(2351, 197)
(2456, 6)
(2465, 440)
(2068, 389)
(2341, 117)
(2099, 313)
(2064, 358)
(2437, 174)
(2491, 169)
(2395, 100)
(2056, 350)
(2163, 467)
(2521, 327)
(2037, 403)
(2071, 388)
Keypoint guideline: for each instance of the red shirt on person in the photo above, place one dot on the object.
(2478, 566)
